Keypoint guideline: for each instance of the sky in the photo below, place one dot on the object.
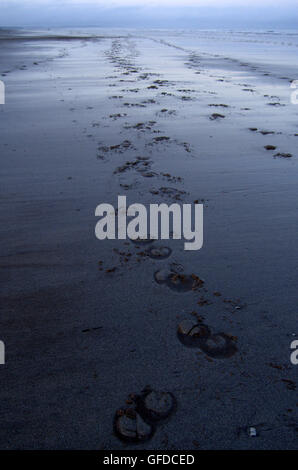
(151, 13)
(166, 3)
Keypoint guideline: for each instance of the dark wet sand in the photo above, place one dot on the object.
(84, 321)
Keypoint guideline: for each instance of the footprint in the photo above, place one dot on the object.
(266, 132)
(129, 426)
(156, 405)
(137, 423)
(168, 192)
(219, 345)
(283, 155)
(275, 104)
(178, 281)
(162, 138)
(215, 116)
(270, 147)
(148, 174)
(162, 275)
(218, 105)
(143, 241)
(159, 252)
(191, 335)
(198, 335)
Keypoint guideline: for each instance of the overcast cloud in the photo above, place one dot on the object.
(151, 13)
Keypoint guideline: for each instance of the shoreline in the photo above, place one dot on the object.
(84, 321)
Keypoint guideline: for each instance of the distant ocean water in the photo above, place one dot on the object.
(274, 49)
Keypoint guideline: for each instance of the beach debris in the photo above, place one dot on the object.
(111, 270)
(275, 366)
(291, 385)
(252, 432)
(87, 330)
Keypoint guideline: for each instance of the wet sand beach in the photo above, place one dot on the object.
(157, 116)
